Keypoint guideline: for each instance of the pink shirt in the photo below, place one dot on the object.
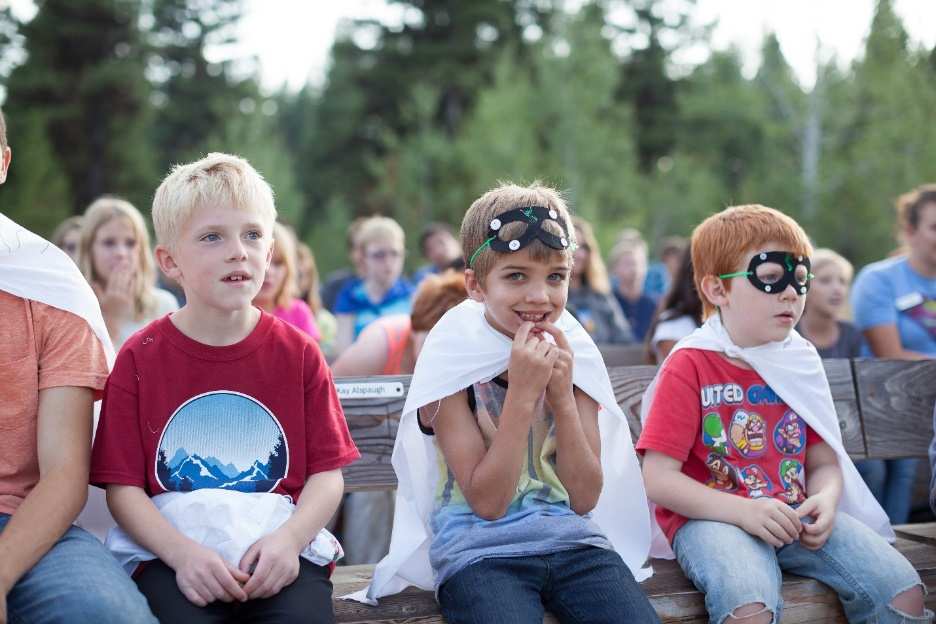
(299, 314)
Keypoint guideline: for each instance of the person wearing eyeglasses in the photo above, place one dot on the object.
(382, 289)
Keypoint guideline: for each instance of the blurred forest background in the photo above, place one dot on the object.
(415, 120)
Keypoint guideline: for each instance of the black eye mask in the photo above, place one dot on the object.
(789, 264)
(534, 217)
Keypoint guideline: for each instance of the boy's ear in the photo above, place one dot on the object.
(167, 263)
(473, 286)
(5, 157)
(713, 289)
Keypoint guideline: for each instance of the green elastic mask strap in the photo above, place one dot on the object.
(738, 274)
(486, 243)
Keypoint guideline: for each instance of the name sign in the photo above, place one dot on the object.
(370, 390)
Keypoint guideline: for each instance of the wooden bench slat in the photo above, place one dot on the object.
(896, 400)
(884, 410)
(675, 599)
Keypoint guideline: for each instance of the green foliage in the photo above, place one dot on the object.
(83, 78)
(416, 119)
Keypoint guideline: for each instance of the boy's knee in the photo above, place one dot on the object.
(754, 613)
(909, 602)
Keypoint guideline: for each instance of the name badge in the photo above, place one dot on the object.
(909, 301)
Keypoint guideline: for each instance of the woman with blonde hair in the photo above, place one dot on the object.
(821, 323)
(115, 257)
(307, 276)
(279, 293)
(590, 298)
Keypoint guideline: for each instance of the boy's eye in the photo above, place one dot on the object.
(557, 277)
(517, 276)
(254, 235)
(210, 237)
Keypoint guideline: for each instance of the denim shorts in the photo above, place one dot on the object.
(733, 568)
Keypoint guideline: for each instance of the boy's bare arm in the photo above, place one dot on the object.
(273, 561)
(823, 488)
(488, 477)
(578, 452)
(578, 442)
(201, 574)
(767, 518)
(64, 455)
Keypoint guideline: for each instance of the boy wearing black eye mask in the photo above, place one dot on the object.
(746, 395)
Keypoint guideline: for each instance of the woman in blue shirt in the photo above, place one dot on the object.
(894, 301)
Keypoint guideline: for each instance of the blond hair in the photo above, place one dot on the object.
(3, 139)
(378, 229)
(629, 240)
(720, 243)
(595, 275)
(307, 272)
(508, 196)
(215, 180)
(64, 228)
(284, 246)
(102, 211)
(824, 256)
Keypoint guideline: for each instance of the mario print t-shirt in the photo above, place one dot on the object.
(730, 430)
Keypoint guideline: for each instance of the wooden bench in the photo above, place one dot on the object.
(885, 411)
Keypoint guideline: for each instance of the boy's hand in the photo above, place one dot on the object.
(821, 508)
(272, 562)
(117, 297)
(772, 520)
(203, 577)
(531, 360)
(559, 388)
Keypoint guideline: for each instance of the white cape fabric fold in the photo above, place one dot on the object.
(33, 268)
(793, 369)
(225, 521)
(463, 349)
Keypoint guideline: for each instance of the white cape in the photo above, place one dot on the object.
(33, 268)
(793, 369)
(463, 349)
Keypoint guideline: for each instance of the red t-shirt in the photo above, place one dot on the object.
(257, 416)
(730, 430)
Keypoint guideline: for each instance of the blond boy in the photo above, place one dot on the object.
(743, 454)
(382, 290)
(224, 406)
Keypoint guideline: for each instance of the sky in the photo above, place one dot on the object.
(291, 38)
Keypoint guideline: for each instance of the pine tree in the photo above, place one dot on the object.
(83, 80)
(195, 99)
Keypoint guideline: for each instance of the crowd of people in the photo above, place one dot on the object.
(220, 437)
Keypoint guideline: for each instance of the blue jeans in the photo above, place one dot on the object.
(77, 581)
(891, 482)
(586, 584)
(733, 568)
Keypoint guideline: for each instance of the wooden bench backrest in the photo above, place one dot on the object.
(885, 410)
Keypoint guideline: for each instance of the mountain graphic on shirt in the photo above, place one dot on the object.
(224, 440)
